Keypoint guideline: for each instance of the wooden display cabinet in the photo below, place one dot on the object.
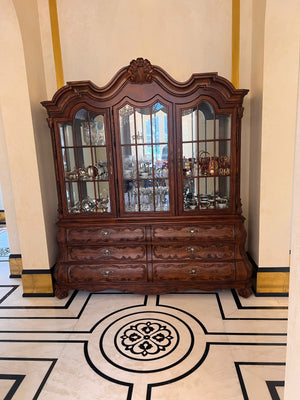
(148, 180)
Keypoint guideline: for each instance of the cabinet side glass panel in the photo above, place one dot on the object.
(84, 154)
(144, 152)
(206, 157)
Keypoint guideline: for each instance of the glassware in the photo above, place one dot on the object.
(93, 133)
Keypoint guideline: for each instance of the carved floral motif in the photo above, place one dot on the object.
(140, 71)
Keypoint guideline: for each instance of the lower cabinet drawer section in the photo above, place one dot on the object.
(189, 272)
(103, 273)
(190, 252)
(107, 253)
(194, 232)
(105, 234)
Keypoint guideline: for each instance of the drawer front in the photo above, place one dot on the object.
(193, 252)
(195, 271)
(105, 234)
(107, 253)
(103, 273)
(199, 232)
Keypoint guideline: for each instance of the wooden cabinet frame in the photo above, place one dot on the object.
(191, 236)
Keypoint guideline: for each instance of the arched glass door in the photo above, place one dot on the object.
(206, 158)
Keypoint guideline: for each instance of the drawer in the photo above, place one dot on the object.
(103, 273)
(195, 271)
(192, 252)
(107, 253)
(105, 234)
(190, 232)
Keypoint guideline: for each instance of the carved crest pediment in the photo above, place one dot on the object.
(140, 71)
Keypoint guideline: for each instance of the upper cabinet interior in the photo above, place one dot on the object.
(146, 144)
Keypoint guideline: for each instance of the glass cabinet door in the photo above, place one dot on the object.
(144, 141)
(86, 164)
(206, 158)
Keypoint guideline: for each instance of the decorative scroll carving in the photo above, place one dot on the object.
(240, 112)
(109, 253)
(107, 234)
(107, 272)
(140, 71)
(209, 252)
(200, 232)
(187, 272)
(50, 122)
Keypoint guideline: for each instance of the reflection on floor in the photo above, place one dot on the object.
(196, 345)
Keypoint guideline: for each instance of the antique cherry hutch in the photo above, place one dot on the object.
(148, 180)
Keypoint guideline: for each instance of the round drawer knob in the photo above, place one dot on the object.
(106, 273)
(192, 250)
(193, 272)
(106, 252)
(192, 231)
(105, 233)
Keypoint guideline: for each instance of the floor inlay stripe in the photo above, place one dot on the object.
(17, 382)
(26, 364)
(268, 387)
(241, 307)
(272, 385)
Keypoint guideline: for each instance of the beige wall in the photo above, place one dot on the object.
(47, 48)
(245, 83)
(182, 37)
(19, 130)
(280, 84)
(256, 95)
(292, 388)
(7, 195)
(274, 78)
(29, 23)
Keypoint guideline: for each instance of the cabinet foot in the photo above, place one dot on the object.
(245, 292)
(61, 293)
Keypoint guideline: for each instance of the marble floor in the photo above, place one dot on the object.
(195, 345)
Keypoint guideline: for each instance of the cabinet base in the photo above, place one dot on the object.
(243, 288)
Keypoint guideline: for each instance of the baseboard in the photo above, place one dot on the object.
(38, 295)
(37, 283)
(2, 217)
(15, 276)
(15, 265)
(272, 281)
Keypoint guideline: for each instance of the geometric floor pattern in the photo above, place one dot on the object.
(192, 345)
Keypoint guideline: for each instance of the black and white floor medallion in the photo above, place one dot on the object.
(158, 344)
(147, 339)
